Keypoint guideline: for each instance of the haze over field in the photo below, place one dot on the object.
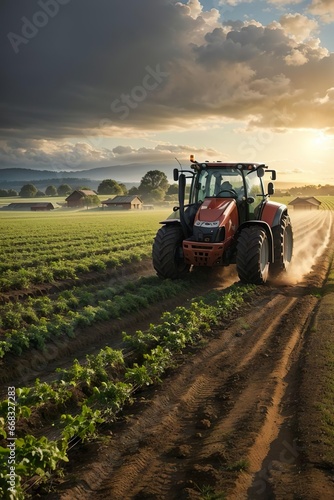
(92, 84)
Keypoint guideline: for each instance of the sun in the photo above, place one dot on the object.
(321, 139)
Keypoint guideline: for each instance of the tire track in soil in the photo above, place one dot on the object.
(202, 412)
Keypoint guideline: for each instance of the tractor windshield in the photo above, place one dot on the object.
(219, 183)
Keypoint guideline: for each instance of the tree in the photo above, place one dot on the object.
(109, 186)
(91, 200)
(51, 191)
(3, 193)
(123, 186)
(173, 189)
(133, 190)
(28, 191)
(156, 195)
(39, 194)
(64, 190)
(154, 179)
(12, 192)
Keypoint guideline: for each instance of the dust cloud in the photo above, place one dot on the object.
(311, 235)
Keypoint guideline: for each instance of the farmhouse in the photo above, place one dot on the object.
(79, 197)
(124, 203)
(305, 203)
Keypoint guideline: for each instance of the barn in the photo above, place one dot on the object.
(78, 197)
(33, 206)
(123, 203)
(305, 203)
(43, 207)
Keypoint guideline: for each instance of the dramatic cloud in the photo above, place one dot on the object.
(75, 69)
(56, 156)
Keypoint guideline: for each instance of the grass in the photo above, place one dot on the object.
(209, 493)
(240, 465)
(326, 403)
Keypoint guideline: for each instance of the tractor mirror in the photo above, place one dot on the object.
(176, 174)
(273, 174)
(260, 172)
(250, 200)
(271, 189)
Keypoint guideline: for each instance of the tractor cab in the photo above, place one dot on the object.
(231, 182)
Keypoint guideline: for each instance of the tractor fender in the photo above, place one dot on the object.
(272, 213)
(267, 229)
(170, 221)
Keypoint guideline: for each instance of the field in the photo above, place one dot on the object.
(130, 387)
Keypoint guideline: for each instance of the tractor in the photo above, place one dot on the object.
(229, 219)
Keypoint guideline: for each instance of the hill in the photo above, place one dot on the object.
(131, 174)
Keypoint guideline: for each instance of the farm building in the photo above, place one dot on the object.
(33, 206)
(43, 207)
(124, 203)
(305, 203)
(79, 197)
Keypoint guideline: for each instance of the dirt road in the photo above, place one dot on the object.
(226, 422)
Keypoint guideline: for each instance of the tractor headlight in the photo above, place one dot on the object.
(205, 224)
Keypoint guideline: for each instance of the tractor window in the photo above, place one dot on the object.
(254, 189)
(219, 182)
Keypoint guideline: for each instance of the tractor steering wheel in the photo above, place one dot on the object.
(232, 191)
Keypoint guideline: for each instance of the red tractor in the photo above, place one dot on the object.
(229, 220)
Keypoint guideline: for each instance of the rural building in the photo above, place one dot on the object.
(33, 206)
(43, 207)
(305, 203)
(78, 198)
(124, 203)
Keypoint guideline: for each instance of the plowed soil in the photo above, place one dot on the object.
(236, 417)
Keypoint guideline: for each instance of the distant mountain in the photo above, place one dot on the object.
(131, 173)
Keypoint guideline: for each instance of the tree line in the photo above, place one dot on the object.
(153, 187)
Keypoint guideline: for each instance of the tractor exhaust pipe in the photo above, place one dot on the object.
(182, 191)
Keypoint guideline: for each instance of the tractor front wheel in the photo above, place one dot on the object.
(167, 252)
(253, 255)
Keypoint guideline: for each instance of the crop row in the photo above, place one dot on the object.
(327, 203)
(47, 249)
(33, 322)
(105, 383)
(72, 253)
(63, 269)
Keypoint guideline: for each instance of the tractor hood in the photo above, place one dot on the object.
(216, 220)
(215, 209)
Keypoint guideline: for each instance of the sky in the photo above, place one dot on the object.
(86, 84)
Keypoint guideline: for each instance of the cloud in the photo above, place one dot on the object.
(127, 68)
(298, 26)
(58, 155)
(324, 9)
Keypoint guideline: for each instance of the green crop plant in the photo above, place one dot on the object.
(112, 396)
(81, 426)
(35, 457)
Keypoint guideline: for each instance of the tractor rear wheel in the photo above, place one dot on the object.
(167, 252)
(283, 246)
(253, 255)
